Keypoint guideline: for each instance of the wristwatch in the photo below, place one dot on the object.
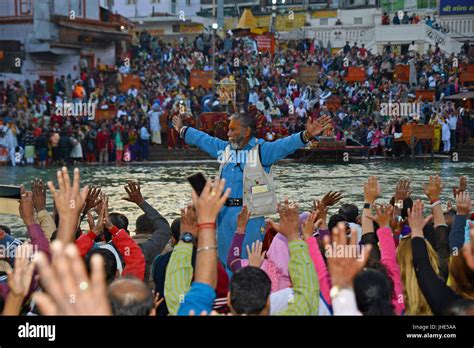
(367, 205)
(187, 237)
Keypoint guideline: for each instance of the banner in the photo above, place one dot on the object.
(324, 14)
(191, 28)
(129, 80)
(466, 73)
(265, 43)
(200, 78)
(104, 114)
(402, 72)
(455, 7)
(355, 74)
(308, 74)
(425, 94)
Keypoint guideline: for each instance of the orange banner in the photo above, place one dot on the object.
(128, 81)
(107, 114)
(425, 94)
(402, 73)
(466, 73)
(355, 74)
(200, 78)
(308, 74)
(265, 43)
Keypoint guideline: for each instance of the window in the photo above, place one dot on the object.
(25, 7)
(188, 2)
(323, 21)
(131, 2)
(77, 7)
(357, 20)
(154, 1)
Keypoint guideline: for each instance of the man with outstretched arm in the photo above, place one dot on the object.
(245, 163)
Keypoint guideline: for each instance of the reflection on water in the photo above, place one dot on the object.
(165, 186)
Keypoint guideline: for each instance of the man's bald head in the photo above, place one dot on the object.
(130, 296)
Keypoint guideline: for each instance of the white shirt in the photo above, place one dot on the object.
(452, 121)
(345, 303)
(301, 112)
(121, 113)
(133, 92)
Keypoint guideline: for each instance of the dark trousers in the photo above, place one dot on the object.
(144, 149)
(453, 138)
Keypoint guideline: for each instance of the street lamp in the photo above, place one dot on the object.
(214, 26)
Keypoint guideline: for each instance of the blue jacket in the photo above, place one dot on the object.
(270, 153)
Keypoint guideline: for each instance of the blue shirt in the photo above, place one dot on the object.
(199, 298)
(270, 153)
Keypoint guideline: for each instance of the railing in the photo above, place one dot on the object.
(339, 35)
(465, 25)
(445, 42)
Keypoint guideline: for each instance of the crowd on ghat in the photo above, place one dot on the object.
(32, 131)
(401, 257)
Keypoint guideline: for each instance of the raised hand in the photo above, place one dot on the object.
(316, 127)
(433, 189)
(134, 193)
(308, 225)
(289, 220)
(383, 215)
(96, 227)
(92, 199)
(211, 200)
(242, 220)
(463, 203)
(189, 220)
(255, 255)
(177, 123)
(38, 188)
(462, 186)
(68, 290)
(344, 269)
(331, 198)
(19, 279)
(321, 210)
(157, 299)
(402, 191)
(69, 201)
(105, 211)
(416, 220)
(27, 210)
(371, 190)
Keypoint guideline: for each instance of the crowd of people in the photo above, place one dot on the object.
(32, 130)
(386, 259)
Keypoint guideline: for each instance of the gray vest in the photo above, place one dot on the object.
(259, 188)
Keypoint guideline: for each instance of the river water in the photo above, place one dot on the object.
(165, 186)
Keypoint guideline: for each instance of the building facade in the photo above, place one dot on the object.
(44, 39)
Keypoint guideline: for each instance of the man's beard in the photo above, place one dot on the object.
(237, 143)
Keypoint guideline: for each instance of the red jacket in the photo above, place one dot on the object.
(103, 138)
(125, 245)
